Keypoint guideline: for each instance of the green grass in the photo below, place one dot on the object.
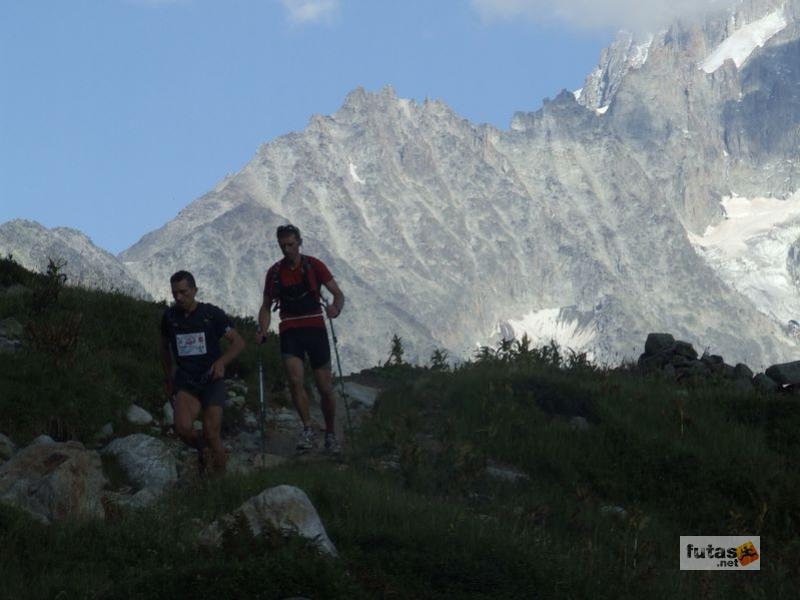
(411, 510)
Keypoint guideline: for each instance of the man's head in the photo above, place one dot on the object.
(289, 240)
(183, 289)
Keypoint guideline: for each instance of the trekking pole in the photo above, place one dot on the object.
(262, 409)
(341, 377)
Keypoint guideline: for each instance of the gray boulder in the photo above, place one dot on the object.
(765, 383)
(785, 373)
(54, 482)
(686, 350)
(148, 463)
(284, 508)
(742, 371)
(657, 343)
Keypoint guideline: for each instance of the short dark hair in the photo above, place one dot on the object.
(181, 276)
(287, 230)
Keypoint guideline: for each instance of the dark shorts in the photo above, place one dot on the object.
(210, 393)
(307, 340)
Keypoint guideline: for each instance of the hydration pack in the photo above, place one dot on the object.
(299, 299)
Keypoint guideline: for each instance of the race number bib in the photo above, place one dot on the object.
(191, 344)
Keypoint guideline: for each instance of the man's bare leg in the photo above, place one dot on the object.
(294, 369)
(187, 407)
(324, 381)
(212, 424)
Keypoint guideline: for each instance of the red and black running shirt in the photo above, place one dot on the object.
(294, 276)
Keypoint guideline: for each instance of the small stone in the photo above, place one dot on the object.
(138, 416)
(579, 424)
(169, 414)
(507, 473)
(105, 432)
(617, 511)
(197, 425)
(250, 420)
(43, 439)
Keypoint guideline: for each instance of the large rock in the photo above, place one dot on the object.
(284, 508)
(765, 383)
(685, 349)
(742, 371)
(148, 463)
(785, 373)
(54, 482)
(657, 343)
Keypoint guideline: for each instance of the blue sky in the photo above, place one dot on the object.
(115, 114)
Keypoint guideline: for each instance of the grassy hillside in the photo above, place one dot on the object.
(411, 507)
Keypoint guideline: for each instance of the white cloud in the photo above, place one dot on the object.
(310, 11)
(629, 14)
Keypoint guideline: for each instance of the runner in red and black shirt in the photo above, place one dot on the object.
(294, 283)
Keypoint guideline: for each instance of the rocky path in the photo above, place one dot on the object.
(283, 425)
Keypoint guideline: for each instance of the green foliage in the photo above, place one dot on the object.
(439, 360)
(677, 459)
(397, 351)
(47, 289)
(412, 510)
(12, 273)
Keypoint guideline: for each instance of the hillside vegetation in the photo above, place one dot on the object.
(524, 473)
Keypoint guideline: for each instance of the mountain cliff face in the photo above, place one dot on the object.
(591, 221)
(32, 245)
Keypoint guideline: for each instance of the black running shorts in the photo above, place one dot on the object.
(210, 393)
(307, 340)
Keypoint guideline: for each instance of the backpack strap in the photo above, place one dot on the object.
(274, 286)
(310, 276)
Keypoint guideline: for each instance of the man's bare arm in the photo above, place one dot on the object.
(264, 318)
(234, 349)
(338, 299)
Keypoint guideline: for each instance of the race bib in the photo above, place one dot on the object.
(191, 344)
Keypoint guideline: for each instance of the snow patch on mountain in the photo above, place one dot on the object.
(354, 175)
(639, 53)
(741, 44)
(749, 250)
(542, 326)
